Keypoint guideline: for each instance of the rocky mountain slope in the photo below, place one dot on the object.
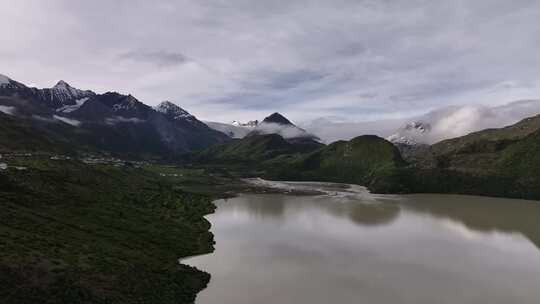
(110, 122)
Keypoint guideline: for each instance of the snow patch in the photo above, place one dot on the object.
(118, 106)
(7, 110)
(249, 124)
(68, 121)
(71, 108)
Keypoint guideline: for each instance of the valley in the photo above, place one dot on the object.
(101, 195)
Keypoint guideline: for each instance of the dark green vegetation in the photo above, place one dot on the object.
(365, 160)
(22, 135)
(74, 233)
(254, 148)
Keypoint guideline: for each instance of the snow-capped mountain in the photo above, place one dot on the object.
(273, 124)
(59, 96)
(278, 124)
(8, 83)
(173, 111)
(109, 121)
(412, 133)
(66, 94)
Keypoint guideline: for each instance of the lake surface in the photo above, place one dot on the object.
(348, 246)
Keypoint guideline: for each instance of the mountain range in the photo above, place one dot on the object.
(493, 161)
(110, 122)
(496, 162)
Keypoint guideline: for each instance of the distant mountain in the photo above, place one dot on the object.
(277, 118)
(496, 162)
(446, 122)
(278, 124)
(273, 124)
(111, 121)
(331, 129)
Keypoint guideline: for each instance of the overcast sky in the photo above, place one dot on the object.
(224, 60)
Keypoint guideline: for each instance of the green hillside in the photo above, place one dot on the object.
(73, 233)
(365, 160)
(496, 162)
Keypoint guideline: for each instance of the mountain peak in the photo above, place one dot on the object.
(411, 134)
(170, 109)
(277, 119)
(61, 85)
(4, 79)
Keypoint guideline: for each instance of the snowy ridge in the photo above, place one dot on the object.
(411, 134)
(170, 109)
(64, 93)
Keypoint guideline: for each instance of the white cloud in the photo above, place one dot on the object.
(7, 110)
(68, 121)
(446, 122)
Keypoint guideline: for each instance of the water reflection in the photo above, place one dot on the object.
(482, 214)
(350, 247)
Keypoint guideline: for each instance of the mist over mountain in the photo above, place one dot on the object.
(444, 123)
(275, 123)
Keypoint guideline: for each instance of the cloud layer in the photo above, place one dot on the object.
(223, 60)
(445, 122)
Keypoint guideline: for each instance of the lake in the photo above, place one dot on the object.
(349, 246)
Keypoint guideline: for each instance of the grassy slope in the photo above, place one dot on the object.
(496, 162)
(249, 149)
(366, 160)
(71, 233)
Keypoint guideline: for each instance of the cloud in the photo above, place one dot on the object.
(68, 121)
(283, 130)
(121, 119)
(158, 58)
(7, 110)
(363, 60)
(446, 122)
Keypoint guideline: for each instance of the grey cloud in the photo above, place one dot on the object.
(158, 58)
(304, 58)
